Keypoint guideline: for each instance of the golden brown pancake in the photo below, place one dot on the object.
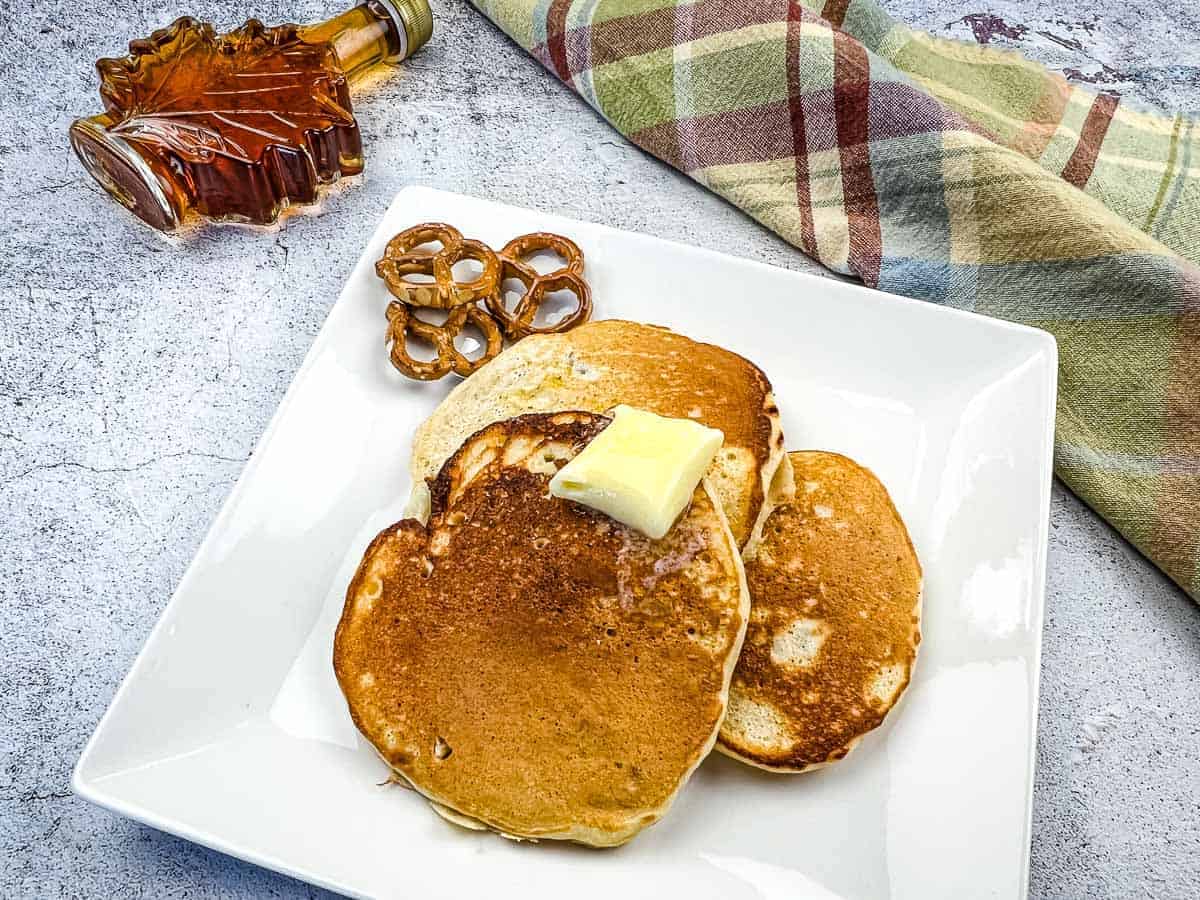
(532, 664)
(835, 620)
(602, 364)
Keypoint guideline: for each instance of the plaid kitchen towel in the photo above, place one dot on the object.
(945, 171)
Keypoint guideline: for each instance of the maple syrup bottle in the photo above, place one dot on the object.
(239, 126)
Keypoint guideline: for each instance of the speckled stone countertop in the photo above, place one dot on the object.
(137, 376)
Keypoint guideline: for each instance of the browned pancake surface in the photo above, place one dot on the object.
(835, 620)
(531, 663)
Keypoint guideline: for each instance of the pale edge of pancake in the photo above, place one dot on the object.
(778, 479)
(593, 836)
(900, 692)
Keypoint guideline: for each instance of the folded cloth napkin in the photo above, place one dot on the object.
(945, 171)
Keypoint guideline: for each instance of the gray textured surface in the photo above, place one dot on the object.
(137, 375)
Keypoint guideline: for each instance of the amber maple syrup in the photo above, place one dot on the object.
(239, 126)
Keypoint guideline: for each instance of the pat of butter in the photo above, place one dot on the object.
(641, 469)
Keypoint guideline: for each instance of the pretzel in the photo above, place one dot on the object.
(400, 258)
(518, 323)
(402, 321)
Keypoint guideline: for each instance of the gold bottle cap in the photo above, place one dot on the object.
(416, 19)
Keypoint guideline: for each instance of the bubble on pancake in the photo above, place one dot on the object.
(797, 645)
(759, 723)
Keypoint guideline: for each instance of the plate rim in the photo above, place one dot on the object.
(91, 790)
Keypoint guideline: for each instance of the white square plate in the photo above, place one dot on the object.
(230, 730)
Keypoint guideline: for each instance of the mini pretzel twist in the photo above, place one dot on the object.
(402, 322)
(401, 258)
(518, 322)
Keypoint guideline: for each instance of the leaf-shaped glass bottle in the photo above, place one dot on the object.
(239, 126)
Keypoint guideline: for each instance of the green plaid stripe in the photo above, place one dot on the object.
(1140, 159)
(946, 171)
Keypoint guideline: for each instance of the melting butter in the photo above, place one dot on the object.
(641, 470)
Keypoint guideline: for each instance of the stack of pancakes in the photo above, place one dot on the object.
(535, 667)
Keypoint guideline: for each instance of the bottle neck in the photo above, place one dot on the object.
(362, 37)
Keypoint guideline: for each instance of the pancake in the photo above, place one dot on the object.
(531, 664)
(835, 589)
(601, 364)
